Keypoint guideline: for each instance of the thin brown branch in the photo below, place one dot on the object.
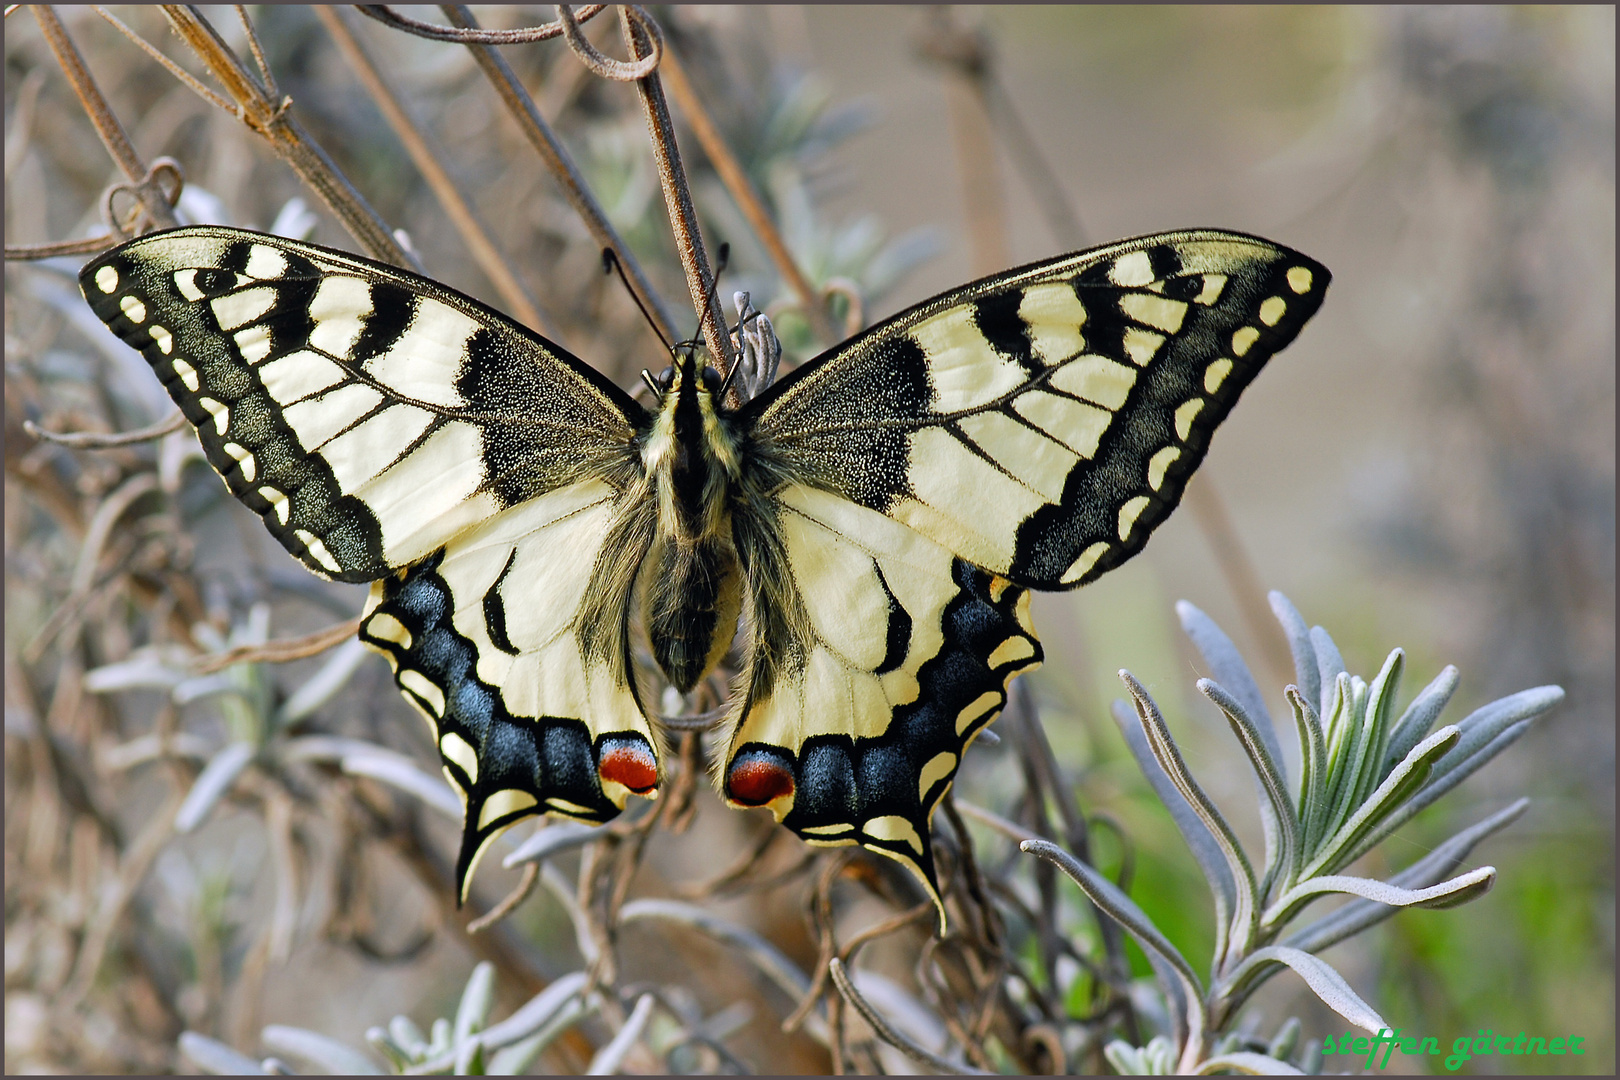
(677, 195)
(427, 161)
(557, 159)
(274, 121)
(887, 1032)
(95, 440)
(112, 133)
(604, 66)
(88, 246)
(280, 651)
(463, 35)
(746, 196)
(525, 885)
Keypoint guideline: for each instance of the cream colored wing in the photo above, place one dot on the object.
(512, 642)
(1042, 422)
(877, 655)
(367, 414)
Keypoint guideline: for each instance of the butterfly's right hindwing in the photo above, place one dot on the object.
(368, 415)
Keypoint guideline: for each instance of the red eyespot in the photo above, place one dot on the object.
(628, 761)
(757, 777)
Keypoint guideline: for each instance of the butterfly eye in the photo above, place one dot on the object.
(666, 378)
(712, 380)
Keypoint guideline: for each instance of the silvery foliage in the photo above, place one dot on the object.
(1364, 772)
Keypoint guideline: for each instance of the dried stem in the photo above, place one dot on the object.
(274, 121)
(677, 195)
(557, 159)
(747, 197)
(113, 137)
(427, 160)
(279, 652)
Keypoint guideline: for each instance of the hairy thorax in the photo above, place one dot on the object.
(691, 592)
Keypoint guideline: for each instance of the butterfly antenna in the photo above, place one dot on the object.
(610, 265)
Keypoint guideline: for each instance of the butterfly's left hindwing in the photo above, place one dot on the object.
(877, 656)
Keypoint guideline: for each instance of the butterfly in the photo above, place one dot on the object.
(873, 522)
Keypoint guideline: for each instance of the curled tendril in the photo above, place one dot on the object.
(149, 191)
(606, 66)
(467, 36)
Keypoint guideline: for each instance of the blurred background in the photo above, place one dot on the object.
(1430, 466)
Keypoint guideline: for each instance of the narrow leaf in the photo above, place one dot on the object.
(1306, 669)
(1358, 915)
(216, 1059)
(1246, 1063)
(1282, 854)
(1403, 781)
(1329, 664)
(1420, 716)
(1228, 668)
(321, 1051)
(399, 772)
(1324, 981)
(1113, 902)
(211, 785)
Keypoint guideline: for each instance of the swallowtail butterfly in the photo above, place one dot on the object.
(874, 519)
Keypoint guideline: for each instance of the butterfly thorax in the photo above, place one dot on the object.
(691, 595)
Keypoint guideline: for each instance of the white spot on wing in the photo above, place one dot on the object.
(1244, 339)
(1141, 345)
(385, 627)
(1216, 374)
(1158, 463)
(1128, 515)
(107, 279)
(317, 551)
(277, 501)
(1097, 379)
(1011, 651)
(162, 338)
(339, 309)
(133, 309)
(186, 282)
(1077, 425)
(1132, 270)
(1214, 284)
(1082, 566)
(240, 308)
(316, 420)
(253, 342)
(985, 703)
(187, 373)
(426, 499)
(1040, 463)
(374, 445)
(454, 748)
(265, 261)
(1185, 415)
(424, 688)
(1299, 279)
(221, 414)
(296, 376)
(1271, 310)
(244, 461)
(938, 768)
(504, 802)
(895, 829)
(1159, 312)
(1053, 315)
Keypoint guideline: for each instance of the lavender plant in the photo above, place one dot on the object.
(1363, 773)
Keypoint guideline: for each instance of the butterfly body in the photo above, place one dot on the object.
(871, 523)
